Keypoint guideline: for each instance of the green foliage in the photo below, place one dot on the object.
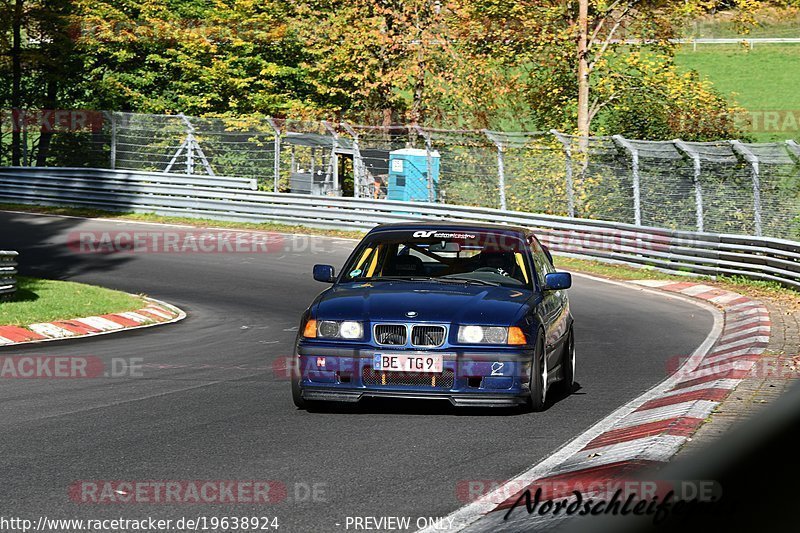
(496, 64)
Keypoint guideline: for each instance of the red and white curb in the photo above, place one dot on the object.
(647, 431)
(153, 314)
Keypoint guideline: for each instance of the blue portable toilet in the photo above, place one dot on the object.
(408, 175)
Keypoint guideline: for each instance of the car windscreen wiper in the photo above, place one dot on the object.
(468, 280)
(393, 278)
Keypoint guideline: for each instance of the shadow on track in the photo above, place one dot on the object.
(44, 247)
(391, 406)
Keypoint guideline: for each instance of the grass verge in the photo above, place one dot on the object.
(44, 300)
(773, 89)
(763, 290)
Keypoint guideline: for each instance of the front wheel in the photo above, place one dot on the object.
(297, 394)
(538, 379)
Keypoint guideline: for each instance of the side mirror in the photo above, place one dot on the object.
(557, 281)
(324, 273)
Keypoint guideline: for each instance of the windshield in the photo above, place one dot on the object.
(489, 258)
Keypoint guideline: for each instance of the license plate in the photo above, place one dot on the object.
(432, 363)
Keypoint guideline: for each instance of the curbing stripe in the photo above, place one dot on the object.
(136, 317)
(735, 374)
(17, 334)
(47, 329)
(653, 427)
(121, 320)
(722, 383)
(76, 327)
(103, 324)
(711, 394)
(154, 313)
(682, 426)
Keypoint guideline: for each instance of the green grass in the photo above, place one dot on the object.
(42, 300)
(765, 78)
(770, 22)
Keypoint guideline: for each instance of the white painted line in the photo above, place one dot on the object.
(690, 409)
(157, 311)
(725, 383)
(98, 322)
(724, 357)
(46, 329)
(725, 298)
(756, 328)
(652, 448)
(136, 317)
(696, 290)
(740, 343)
(749, 319)
(719, 368)
(741, 313)
(4, 341)
(742, 306)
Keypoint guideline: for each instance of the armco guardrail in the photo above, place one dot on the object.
(8, 274)
(681, 252)
(113, 178)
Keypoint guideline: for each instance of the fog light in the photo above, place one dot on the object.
(495, 335)
(328, 329)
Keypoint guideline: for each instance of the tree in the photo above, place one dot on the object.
(566, 83)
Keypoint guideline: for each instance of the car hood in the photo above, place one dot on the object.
(432, 301)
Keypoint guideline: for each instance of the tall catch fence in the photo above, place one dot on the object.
(718, 187)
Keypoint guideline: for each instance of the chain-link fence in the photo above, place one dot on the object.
(723, 187)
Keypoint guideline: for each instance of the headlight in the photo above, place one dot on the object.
(490, 335)
(334, 329)
(351, 330)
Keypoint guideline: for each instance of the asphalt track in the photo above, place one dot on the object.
(209, 405)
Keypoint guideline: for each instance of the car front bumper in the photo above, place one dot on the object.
(486, 378)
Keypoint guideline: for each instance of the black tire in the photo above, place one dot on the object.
(297, 396)
(568, 365)
(536, 381)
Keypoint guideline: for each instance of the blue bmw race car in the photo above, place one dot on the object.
(471, 313)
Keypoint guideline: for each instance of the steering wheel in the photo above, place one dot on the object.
(498, 271)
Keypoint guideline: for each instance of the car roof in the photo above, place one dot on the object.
(460, 226)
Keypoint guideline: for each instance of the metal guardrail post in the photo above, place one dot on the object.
(794, 150)
(501, 166)
(334, 159)
(752, 159)
(428, 161)
(567, 172)
(698, 189)
(113, 140)
(276, 163)
(637, 196)
(359, 176)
